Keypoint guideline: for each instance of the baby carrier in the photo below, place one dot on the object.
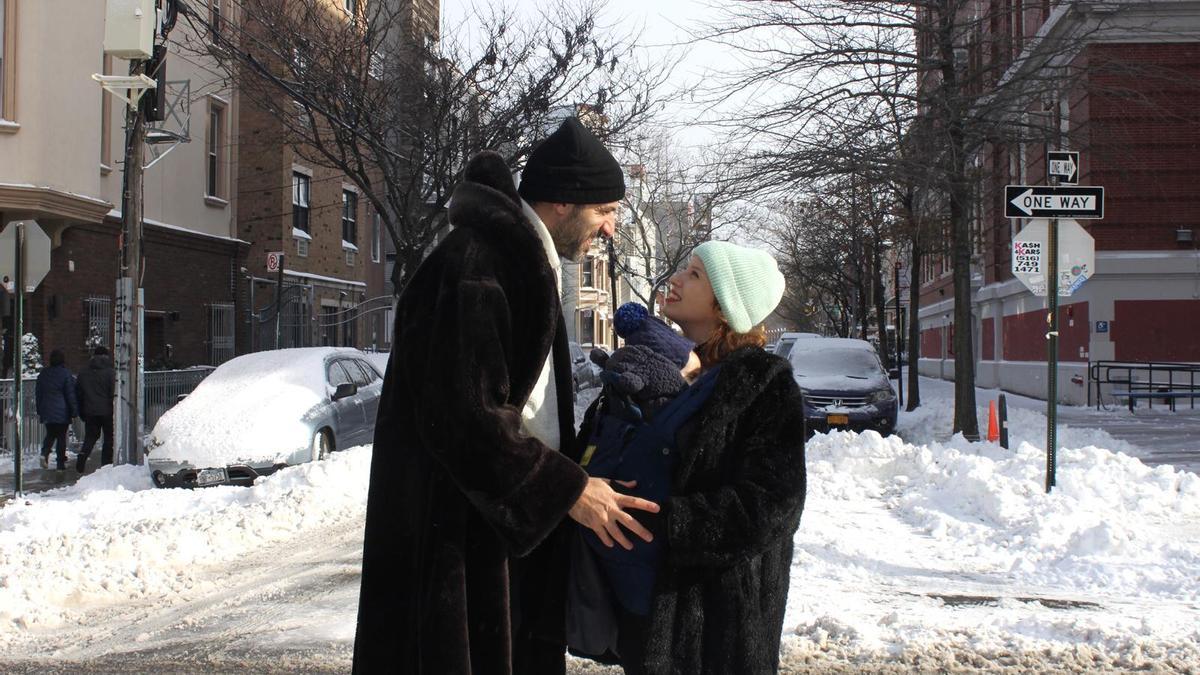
(627, 444)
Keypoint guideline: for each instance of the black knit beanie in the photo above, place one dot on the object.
(572, 166)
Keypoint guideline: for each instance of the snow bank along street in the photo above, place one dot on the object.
(912, 554)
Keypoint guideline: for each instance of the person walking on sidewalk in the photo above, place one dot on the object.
(56, 407)
(94, 388)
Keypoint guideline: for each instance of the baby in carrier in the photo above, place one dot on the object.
(648, 395)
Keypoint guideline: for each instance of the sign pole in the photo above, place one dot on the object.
(1052, 358)
(278, 299)
(18, 380)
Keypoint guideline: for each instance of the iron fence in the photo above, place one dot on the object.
(163, 389)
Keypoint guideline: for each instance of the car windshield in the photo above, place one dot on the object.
(856, 363)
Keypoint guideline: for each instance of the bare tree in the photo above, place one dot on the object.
(379, 96)
(828, 71)
(677, 199)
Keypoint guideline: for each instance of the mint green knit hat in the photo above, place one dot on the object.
(746, 281)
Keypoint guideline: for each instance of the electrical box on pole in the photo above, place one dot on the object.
(129, 28)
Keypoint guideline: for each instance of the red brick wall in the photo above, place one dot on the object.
(931, 343)
(1143, 150)
(183, 274)
(1025, 334)
(1156, 330)
(988, 340)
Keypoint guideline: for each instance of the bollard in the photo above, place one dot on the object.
(1003, 422)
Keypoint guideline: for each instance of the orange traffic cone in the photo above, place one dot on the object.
(993, 424)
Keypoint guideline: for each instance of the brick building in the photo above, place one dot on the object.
(1135, 124)
(61, 165)
(337, 257)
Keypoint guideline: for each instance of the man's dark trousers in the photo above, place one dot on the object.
(56, 434)
(94, 425)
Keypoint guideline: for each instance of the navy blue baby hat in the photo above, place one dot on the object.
(635, 324)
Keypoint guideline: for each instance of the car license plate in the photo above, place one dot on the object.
(210, 476)
(837, 419)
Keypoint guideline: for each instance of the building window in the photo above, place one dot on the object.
(302, 247)
(376, 237)
(97, 313)
(587, 272)
(8, 53)
(350, 216)
(587, 328)
(220, 332)
(216, 23)
(300, 192)
(350, 257)
(215, 150)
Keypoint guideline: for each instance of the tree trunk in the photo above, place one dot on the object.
(914, 326)
(965, 418)
(881, 310)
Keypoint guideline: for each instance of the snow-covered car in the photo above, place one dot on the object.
(845, 385)
(585, 373)
(260, 412)
(783, 346)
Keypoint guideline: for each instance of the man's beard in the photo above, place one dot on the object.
(573, 237)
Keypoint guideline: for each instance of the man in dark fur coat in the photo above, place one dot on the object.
(469, 481)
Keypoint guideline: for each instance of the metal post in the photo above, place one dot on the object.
(899, 362)
(278, 298)
(18, 380)
(1003, 422)
(253, 318)
(1052, 359)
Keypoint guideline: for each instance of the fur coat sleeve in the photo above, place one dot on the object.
(520, 487)
(762, 502)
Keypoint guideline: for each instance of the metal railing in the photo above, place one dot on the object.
(1140, 377)
(163, 389)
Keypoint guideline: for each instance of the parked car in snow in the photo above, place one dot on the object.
(783, 346)
(586, 373)
(258, 413)
(845, 385)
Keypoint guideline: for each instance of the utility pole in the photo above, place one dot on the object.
(128, 411)
(132, 32)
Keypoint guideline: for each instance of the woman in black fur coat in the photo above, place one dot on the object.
(738, 485)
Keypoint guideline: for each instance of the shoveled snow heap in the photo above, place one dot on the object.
(250, 408)
(112, 538)
(908, 548)
(907, 551)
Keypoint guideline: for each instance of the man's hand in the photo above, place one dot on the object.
(601, 509)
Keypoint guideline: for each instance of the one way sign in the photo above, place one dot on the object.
(1041, 201)
(1063, 165)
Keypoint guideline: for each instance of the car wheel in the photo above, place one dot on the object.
(322, 445)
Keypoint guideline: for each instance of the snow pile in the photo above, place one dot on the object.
(912, 546)
(112, 538)
(250, 408)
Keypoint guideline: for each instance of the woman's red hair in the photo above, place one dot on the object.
(725, 340)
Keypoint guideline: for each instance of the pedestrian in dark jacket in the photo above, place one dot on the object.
(737, 487)
(462, 571)
(94, 389)
(56, 407)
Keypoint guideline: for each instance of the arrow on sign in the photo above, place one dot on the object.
(1039, 201)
